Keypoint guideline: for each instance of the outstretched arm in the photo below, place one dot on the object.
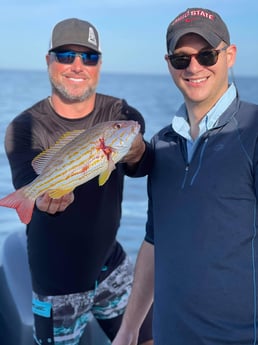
(140, 299)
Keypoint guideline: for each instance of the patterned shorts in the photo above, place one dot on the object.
(62, 319)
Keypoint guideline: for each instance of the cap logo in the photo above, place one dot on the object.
(92, 38)
(193, 14)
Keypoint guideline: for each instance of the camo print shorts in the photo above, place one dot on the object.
(62, 319)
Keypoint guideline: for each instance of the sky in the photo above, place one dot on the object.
(132, 32)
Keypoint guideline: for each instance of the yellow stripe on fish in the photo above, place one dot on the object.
(76, 158)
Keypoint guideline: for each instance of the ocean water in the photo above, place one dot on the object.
(155, 96)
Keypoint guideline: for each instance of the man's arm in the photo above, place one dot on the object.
(140, 299)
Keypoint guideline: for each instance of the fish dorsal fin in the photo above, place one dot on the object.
(41, 161)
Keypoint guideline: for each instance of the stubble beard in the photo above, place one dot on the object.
(66, 95)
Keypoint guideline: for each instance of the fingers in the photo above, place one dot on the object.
(46, 204)
(136, 151)
(65, 201)
(43, 202)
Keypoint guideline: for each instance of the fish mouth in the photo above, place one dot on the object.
(136, 127)
(136, 124)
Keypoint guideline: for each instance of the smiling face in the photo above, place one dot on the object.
(73, 82)
(201, 86)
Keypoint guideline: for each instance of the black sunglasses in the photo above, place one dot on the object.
(68, 57)
(204, 58)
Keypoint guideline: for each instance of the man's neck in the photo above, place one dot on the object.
(198, 110)
(195, 114)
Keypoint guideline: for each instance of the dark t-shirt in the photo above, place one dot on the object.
(67, 250)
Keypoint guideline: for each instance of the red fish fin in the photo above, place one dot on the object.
(23, 205)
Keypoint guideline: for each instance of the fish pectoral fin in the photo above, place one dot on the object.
(58, 193)
(104, 176)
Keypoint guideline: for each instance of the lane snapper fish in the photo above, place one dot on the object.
(77, 157)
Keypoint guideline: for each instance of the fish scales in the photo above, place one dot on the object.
(75, 161)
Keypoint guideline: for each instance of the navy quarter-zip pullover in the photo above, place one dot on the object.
(202, 219)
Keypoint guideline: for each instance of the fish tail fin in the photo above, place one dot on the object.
(21, 203)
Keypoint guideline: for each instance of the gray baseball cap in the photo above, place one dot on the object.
(201, 21)
(75, 31)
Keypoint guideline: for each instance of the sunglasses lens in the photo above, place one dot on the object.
(207, 58)
(64, 57)
(180, 61)
(89, 59)
(204, 58)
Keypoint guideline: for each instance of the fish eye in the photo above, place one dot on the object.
(117, 125)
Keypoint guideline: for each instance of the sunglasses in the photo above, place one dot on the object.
(68, 57)
(204, 58)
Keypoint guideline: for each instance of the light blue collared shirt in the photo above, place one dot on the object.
(180, 120)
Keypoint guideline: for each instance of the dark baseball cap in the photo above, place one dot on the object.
(75, 31)
(201, 21)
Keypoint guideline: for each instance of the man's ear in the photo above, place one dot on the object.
(231, 55)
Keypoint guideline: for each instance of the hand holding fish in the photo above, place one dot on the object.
(136, 151)
(46, 204)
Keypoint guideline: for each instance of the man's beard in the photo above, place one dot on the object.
(67, 96)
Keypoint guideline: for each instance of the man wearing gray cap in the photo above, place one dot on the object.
(77, 266)
(202, 211)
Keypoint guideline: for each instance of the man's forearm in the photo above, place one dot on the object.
(141, 297)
